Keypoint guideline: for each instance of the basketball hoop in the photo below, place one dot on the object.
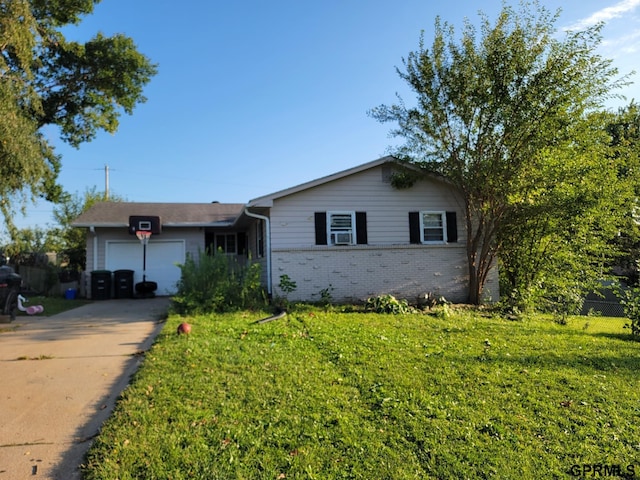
(143, 236)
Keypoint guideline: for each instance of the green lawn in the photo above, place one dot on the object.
(325, 395)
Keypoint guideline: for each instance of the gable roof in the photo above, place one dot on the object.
(116, 214)
(267, 200)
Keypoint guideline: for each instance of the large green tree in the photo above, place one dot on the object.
(73, 240)
(30, 245)
(624, 130)
(46, 80)
(560, 236)
(493, 104)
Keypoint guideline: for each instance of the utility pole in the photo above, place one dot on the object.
(106, 182)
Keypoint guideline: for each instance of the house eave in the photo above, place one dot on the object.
(224, 224)
(100, 225)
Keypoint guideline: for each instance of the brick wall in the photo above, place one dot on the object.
(355, 273)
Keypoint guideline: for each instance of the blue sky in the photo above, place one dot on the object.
(253, 96)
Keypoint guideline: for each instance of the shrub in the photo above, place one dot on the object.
(286, 286)
(630, 300)
(387, 304)
(430, 300)
(561, 301)
(442, 311)
(218, 283)
(326, 297)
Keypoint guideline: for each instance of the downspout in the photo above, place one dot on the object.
(267, 228)
(92, 229)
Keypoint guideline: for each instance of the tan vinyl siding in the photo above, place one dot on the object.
(292, 217)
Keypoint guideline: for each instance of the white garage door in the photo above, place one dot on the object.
(162, 257)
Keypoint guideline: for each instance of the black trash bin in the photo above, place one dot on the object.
(123, 284)
(101, 284)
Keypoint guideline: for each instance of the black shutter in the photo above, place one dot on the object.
(414, 227)
(361, 228)
(321, 228)
(452, 227)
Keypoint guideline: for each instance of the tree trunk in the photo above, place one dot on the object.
(475, 284)
(475, 229)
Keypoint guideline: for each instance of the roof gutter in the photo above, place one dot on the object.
(267, 225)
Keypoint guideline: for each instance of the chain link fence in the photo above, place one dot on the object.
(603, 308)
(603, 311)
(605, 303)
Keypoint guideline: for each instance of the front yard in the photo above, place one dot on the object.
(351, 395)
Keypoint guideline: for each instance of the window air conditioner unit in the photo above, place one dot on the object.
(342, 238)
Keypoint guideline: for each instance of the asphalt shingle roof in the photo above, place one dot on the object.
(116, 214)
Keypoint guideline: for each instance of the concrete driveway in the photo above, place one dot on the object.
(60, 377)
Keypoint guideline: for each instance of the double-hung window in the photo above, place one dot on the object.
(433, 227)
(340, 226)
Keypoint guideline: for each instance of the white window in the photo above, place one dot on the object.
(341, 228)
(433, 227)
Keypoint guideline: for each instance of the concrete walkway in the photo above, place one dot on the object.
(60, 377)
